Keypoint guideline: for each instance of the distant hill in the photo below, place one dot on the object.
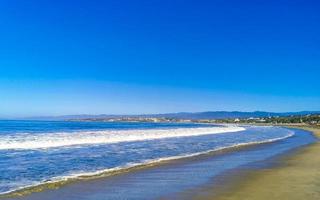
(182, 115)
(227, 114)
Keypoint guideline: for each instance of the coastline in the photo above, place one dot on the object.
(296, 176)
(203, 167)
(52, 185)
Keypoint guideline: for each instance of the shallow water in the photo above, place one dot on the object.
(23, 167)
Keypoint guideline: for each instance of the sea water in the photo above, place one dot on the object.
(37, 152)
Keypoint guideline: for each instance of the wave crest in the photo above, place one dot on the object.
(63, 139)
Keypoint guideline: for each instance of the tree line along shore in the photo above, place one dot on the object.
(310, 119)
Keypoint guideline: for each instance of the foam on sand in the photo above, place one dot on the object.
(56, 182)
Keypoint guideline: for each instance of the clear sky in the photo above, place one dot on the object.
(155, 56)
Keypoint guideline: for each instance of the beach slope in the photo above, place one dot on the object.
(297, 177)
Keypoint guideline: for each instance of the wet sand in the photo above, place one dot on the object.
(168, 180)
(296, 177)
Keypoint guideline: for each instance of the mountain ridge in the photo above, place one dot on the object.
(178, 115)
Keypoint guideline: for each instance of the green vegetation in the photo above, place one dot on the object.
(297, 119)
(309, 119)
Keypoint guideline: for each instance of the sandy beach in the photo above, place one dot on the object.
(195, 173)
(296, 176)
(149, 100)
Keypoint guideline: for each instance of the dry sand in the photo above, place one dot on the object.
(297, 178)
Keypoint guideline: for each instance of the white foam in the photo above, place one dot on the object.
(51, 140)
(85, 175)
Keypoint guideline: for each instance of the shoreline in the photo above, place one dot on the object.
(295, 176)
(51, 185)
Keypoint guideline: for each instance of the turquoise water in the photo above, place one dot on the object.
(34, 152)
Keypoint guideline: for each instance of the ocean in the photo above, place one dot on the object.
(37, 152)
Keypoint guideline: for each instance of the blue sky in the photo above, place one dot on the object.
(59, 57)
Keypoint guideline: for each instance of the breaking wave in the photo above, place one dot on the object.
(64, 139)
(61, 180)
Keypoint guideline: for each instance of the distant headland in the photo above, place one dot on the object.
(307, 117)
